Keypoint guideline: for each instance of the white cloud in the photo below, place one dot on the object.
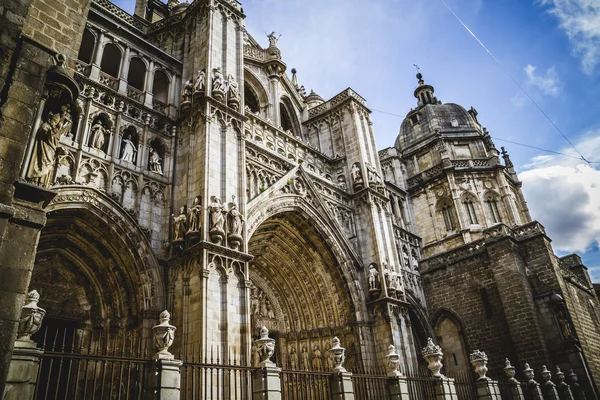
(564, 195)
(580, 19)
(549, 83)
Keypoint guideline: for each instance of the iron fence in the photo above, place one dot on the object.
(304, 385)
(421, 385)
(79, 364)
(465, 385)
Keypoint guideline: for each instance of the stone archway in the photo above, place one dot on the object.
(94, 268)
(304, 286)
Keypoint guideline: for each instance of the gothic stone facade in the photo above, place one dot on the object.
(193, 173)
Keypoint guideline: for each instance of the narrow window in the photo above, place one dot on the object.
(493, 209)
(448, 217)
(471, 212)
(485, 300)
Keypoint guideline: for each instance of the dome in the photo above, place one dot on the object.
(423, 122)
(313, 99)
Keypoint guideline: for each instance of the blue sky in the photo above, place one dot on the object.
(551, 47)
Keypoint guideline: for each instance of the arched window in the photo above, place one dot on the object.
(137, 73)
(111, 60)
(470, 210)
(448, 216)
(160, 87)
(286, 121)
(250, 99)
(86, 50)
(492, 207)
(453, 346)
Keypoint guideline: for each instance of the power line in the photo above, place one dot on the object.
(509, 141)
(514, 80)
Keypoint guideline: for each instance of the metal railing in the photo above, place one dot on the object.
(465, 385)
(79, 364)
(421, 385)
(370, 385)
(300, 385)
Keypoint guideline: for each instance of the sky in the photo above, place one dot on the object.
(551, 48)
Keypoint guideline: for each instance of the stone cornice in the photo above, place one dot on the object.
(335, 103)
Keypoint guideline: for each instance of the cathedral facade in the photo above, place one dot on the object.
(194, 174)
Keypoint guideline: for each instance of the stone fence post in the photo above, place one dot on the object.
(578, 392)
(548, 388)
(166, 374)
(515, 386)
(341, 380)
(564, 391)
(445, 388)
(487, 389)
(266, 382)
(532, 386)
(397, 384)
(25, 361)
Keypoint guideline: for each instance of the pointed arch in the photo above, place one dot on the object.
(254, 86)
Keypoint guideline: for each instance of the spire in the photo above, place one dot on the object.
(510, 168)
(424, 93)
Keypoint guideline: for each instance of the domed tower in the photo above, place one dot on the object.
(456, 181)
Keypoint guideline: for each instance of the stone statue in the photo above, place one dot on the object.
(304, 359)
(179, 224)
(155, 161)
(186, 93)
(218, 83)
(235, 220)
(195, 213)
(372, 173)
(317, 363)
(328, 361)
(216, 214)
(233, 87)
(44, 151)
(356, 174)
(273, 38)
(98, 135)
(200, 81)
(565, 326)
(269, 309)
(373, 277)
(128, 152)
(293, 358)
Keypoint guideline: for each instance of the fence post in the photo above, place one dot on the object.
(341, 380)
(548, 388)
(532, 386)
(445, 389)
(397, 384)
(576, 388)
(167, 377)
(515, 387)
(266, 382)
(487, 389)
(25, 361)
(564, 391)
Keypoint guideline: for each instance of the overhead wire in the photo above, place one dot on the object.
(515, 81)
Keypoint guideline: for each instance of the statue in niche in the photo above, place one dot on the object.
(128, 149)
(328, 361)
(219, 83)
(270, 313)
(372, 174)
(293, 358)
(317, 363)
(356, 174)
(155, 161)
(233, 87)
(235, 220)
(415, 261)
(342, 182)
(217, 220)
(305, 366)
(200, 82)
(373, 277)
(179, 224)
(195, 213)
(43, 158)
(405, 257)
(98, 135)
(565, 326)
(186, 93)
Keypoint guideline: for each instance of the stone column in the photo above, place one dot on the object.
(564, 392)
(341, 380)
(95, 67)
(397, 384)
(445, 388)
(532, 386)
(167, 379)
(149, 85)
(266, 381)
(515, 387)
(124, 71)
(25, 362)
(487, 389)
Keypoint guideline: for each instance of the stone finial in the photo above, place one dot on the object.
(510, 371)
(573, 377)
(265, 346)
(432, 353)
(560, 377)
(529, 374)
(31, 317)
(393, 360)
(547, 376)
(338, 354)
(164, 334)
(479, 362)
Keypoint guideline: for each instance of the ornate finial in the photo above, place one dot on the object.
(31, 317)
(479, 361)
(338, 354)
(547, 376)
(33, 298)
(432, 353)
(393, 360)
(510, 371)
(294, 71)
(265, 347)
(164, 334)
(431, 348)
(528, 372)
